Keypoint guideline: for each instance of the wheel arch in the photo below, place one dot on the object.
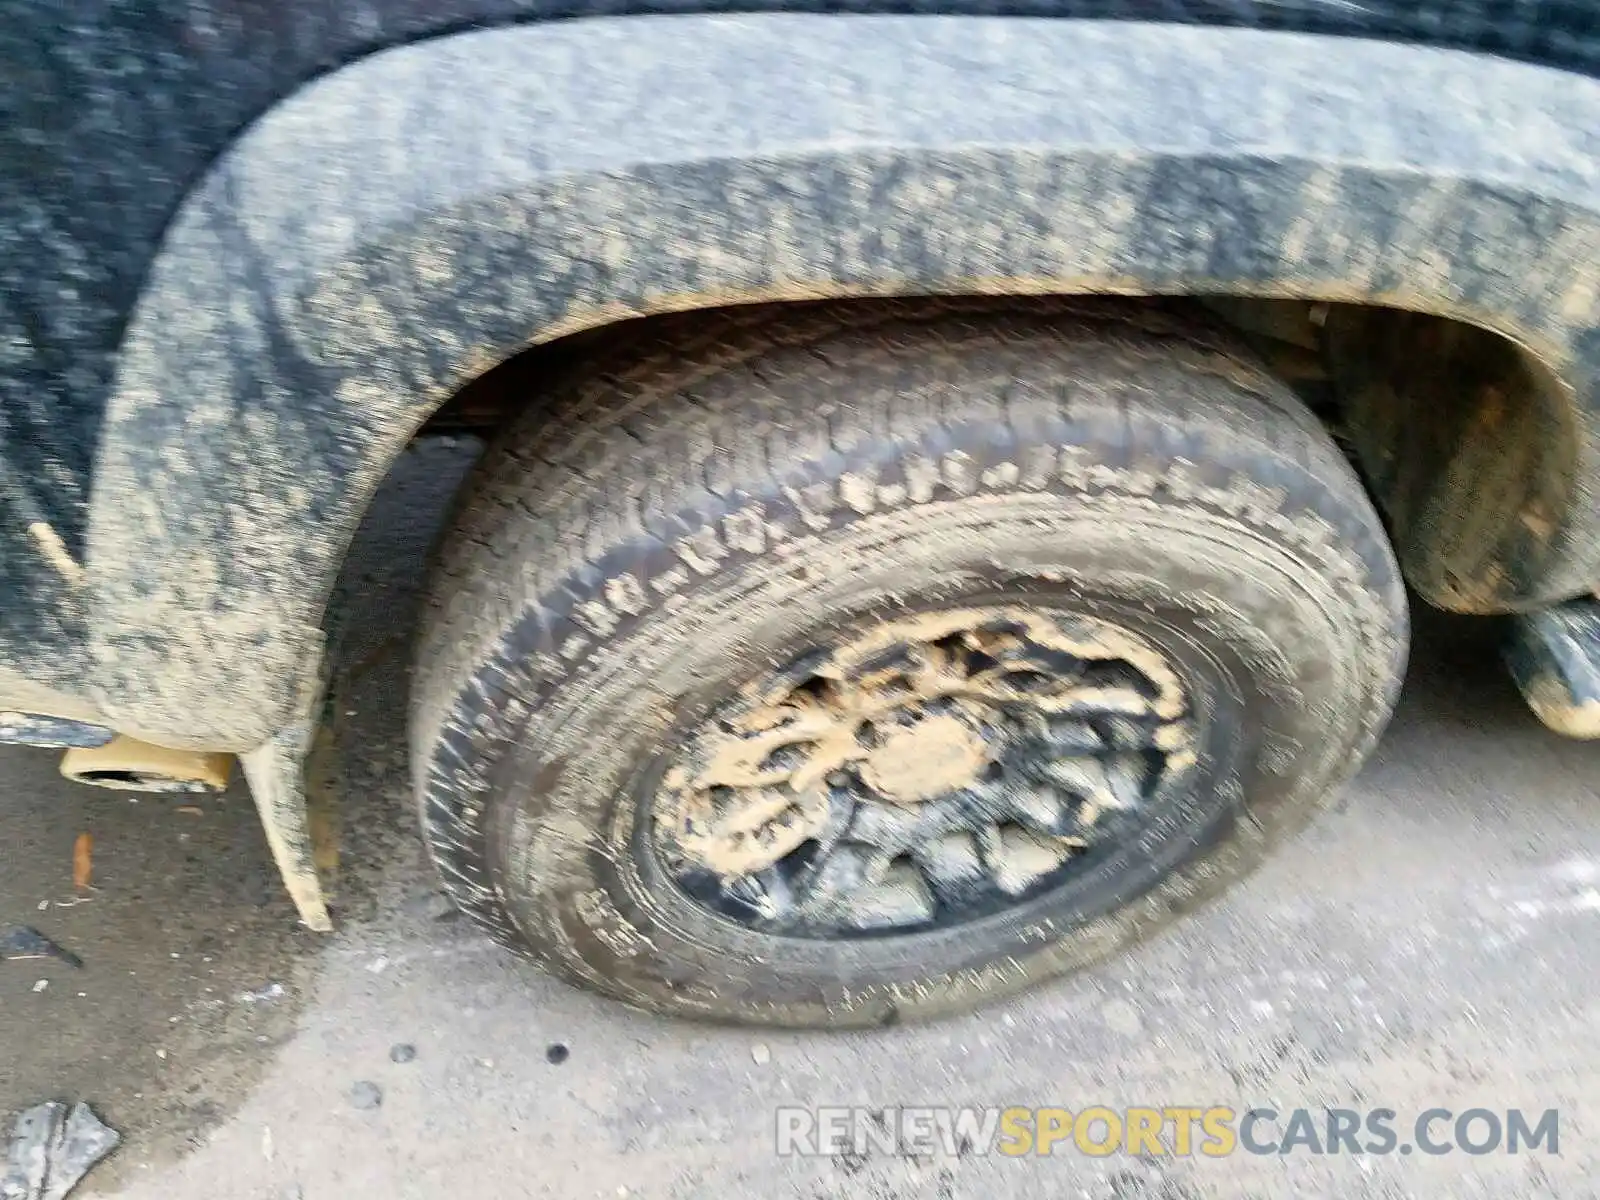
(373, 243)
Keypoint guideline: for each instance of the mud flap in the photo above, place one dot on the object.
(276, 774)
(1554, 656)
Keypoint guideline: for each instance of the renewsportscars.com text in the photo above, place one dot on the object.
(1167, 1130)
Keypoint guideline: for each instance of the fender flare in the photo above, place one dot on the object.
(400, 226)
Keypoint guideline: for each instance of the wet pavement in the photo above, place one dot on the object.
(1433, 940)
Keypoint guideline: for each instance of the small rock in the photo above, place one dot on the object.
(365, 1095)
(402, 1052)
(761, 1054)
(557, 1054)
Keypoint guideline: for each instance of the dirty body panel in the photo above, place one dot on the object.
(372, 243)
(395, 245)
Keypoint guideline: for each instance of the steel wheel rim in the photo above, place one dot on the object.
(924, 772)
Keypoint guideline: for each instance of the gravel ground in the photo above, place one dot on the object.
(1432, 941)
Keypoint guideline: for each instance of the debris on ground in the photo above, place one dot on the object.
(264, 994)
(53, 1146)
(82, 863)
(402, 1052)
(363, 1095)
(24, 941)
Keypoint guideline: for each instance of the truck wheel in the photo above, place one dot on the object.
(834, 665)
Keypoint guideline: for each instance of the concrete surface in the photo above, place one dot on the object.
(1431, 941)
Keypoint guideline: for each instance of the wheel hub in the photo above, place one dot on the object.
(940, 754)
(934, 768)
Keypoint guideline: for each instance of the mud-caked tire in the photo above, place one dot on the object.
(839, 664)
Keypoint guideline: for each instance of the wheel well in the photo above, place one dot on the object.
(332, 282)
(1460, 434)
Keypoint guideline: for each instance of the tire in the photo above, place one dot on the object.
(661, 615)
